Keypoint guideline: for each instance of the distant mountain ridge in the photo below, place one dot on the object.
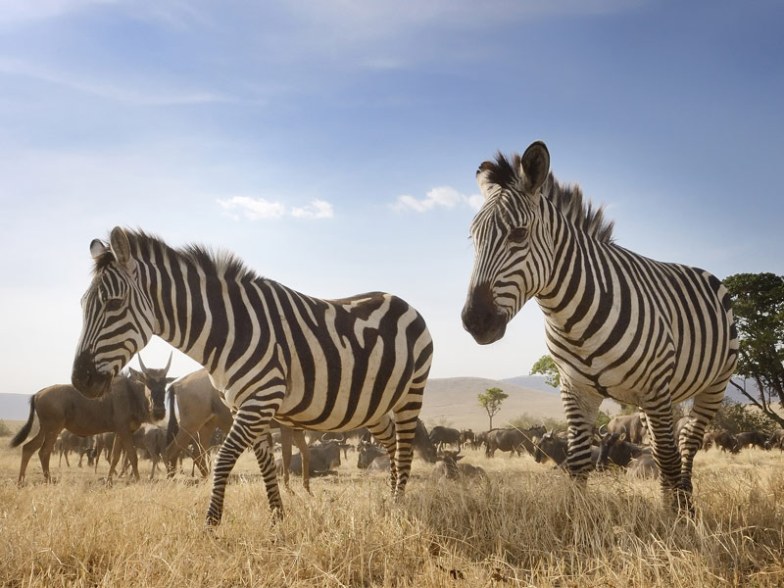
(447, 401)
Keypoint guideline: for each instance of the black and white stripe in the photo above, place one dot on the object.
(618, 324)
(329, 365)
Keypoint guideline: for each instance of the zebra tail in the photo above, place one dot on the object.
(25, 430)
(173, 427)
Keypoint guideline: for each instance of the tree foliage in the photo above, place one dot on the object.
(736, 418)
(758, 306)
(491, 400)
(546, 367)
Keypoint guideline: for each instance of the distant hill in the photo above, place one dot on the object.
(451, 401)
(447, 400)
(14, 407)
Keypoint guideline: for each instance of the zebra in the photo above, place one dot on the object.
(618, 325)
(328, 365)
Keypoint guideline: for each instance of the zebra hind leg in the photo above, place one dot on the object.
(666, 454)
(705, 406)
(266, 461)
(405, 429)
(384, 433)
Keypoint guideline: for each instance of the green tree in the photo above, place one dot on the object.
(546, 367)
(736, 418)
(758, 306)
(491, 400)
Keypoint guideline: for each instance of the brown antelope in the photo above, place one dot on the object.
(58, 407)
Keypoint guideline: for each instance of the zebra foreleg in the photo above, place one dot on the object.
(251, 424)
(581, 408)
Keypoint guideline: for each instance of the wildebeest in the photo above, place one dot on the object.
(202, 411)
(468, 436)
(122, 410)
(775, 439)
(103, 448)
(513, 439)
(323, 457)
(440, 436)
(153, 442)
(749, 438)
(449, 468)
(550, 446)
(368, 453)
(554, 446)
(82, 446)
(614, 448)
(631, 424)
(643, 466)
(156, 380)
(722, 439)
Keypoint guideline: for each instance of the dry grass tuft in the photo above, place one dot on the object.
(527, 525)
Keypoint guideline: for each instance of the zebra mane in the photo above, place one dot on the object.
(219, 263)
(567, 198)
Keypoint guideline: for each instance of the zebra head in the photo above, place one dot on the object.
(117, 316)
(513, 259)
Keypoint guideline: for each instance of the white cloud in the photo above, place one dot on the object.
(316, 209)
(250, 208)
(440, 197)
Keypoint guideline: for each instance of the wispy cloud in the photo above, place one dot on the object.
(150, 96)
(247, 207)
(440, 197)
(316, 209)
(12, 11)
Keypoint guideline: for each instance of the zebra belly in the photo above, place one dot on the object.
(369, 407)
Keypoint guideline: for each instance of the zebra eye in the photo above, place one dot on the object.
(518, 235)
(114, 304)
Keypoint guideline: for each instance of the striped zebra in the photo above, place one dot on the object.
(328, 365)
(618, 325)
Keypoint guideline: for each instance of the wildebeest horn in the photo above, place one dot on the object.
(605, 430)
(168, 363)
(141, 364)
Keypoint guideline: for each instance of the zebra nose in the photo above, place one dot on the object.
(481, 318)
(86, 379)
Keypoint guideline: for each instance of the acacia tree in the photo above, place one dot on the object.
(546, 367)
(491, 400)
(758, 306)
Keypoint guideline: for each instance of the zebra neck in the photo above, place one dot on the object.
(206, 315)
(576, 285)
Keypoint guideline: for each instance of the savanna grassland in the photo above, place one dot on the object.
(525, 526)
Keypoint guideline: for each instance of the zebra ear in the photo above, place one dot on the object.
(98, 248)
(120, 246)
(535, 166)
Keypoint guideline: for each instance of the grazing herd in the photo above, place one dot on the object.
(122, 422)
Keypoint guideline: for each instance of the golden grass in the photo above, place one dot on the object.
(525, 526)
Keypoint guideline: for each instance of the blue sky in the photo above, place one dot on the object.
(333, 145)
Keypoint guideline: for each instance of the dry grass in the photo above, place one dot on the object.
(526, 526)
